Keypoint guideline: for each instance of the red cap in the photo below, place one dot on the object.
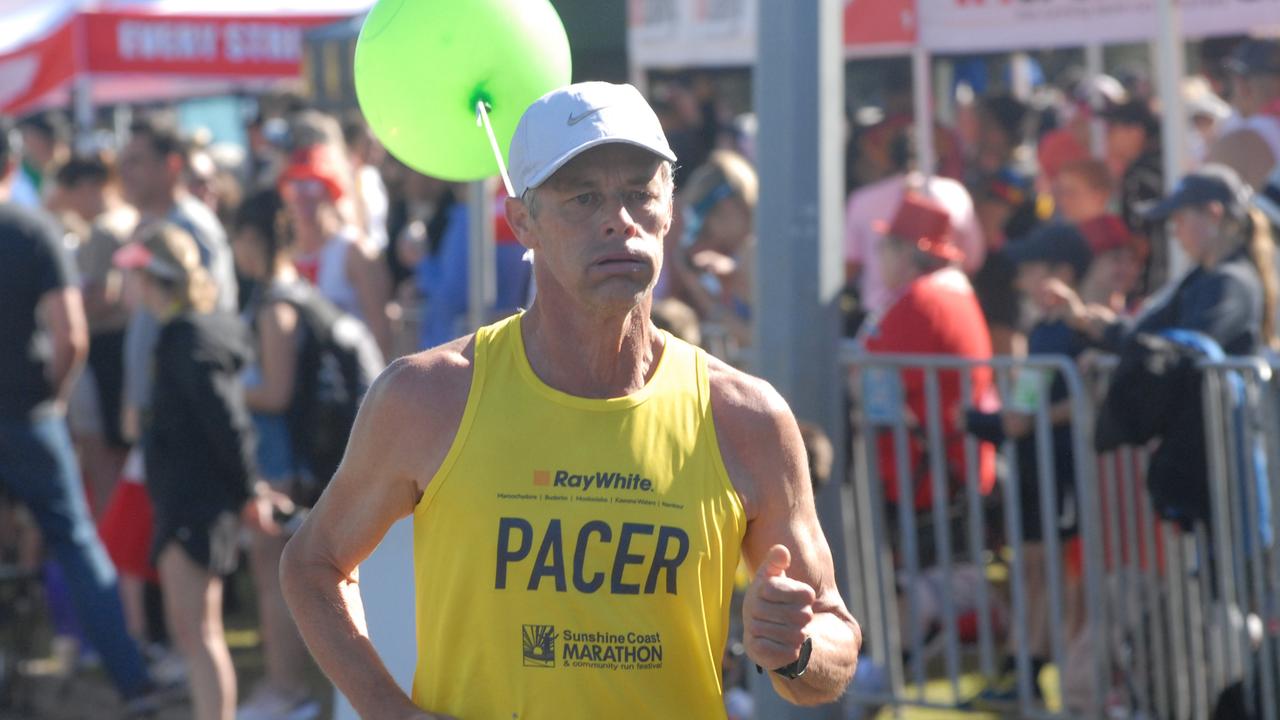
(1109, 232)
(317, 163)
(922, 221)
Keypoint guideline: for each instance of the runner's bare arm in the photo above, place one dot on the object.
(400, 438)
(794, 594)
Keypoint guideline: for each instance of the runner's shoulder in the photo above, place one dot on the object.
(425, 388)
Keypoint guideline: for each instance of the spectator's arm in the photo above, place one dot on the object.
(278, 358)
(63, 314)
(371, 279)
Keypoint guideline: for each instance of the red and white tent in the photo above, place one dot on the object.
(133, 50)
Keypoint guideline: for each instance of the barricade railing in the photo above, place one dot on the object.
(1159, 617)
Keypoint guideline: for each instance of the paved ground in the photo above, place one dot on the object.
(46, 691)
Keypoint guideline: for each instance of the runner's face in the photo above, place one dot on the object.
(598, 226)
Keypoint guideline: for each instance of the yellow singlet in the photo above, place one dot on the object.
(575, 557)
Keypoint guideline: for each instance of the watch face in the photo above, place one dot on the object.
(803, 661)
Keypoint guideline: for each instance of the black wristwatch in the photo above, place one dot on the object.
(797, 668)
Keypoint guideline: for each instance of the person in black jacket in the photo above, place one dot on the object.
(1230, 295)
(199, 449)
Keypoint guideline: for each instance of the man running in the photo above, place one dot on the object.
(582, 484)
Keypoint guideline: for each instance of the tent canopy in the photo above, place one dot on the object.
(133, 50)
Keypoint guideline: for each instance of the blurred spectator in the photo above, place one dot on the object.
(1002, 129)
(1231, 293)
(933, 312)
(442, 276)
(1006, 206)
(417, 219)
(710, 259)
(263, 246)
(873, 205)
(1207, 114)
(366, 157)
(1082, 190)
(85, 186)
(332, 252)
(46, 141)
(198, 444)
(1134, 157)
(45, 342)
(1116, 269)
(819, 452)
(1251, 144)
(151, 169)
(1055, 253)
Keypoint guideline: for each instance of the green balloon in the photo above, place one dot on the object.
(421, 65)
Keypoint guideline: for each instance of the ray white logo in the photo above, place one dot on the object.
(597, 481)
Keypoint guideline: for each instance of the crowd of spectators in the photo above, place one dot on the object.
(182, 274)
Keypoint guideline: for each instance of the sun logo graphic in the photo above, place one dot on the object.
(539, 645)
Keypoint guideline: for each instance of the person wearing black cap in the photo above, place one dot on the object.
(1053, 255)
(1252, 146)
(1229, 296)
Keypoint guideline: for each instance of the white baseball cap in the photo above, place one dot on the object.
(565, 122)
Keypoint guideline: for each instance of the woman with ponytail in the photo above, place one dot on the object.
(199, 454)
(1231, 293)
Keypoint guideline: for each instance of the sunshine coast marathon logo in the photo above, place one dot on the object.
(597, 650)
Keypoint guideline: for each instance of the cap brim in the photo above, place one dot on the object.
(1164, 209)
(134, 256)
(541, 176)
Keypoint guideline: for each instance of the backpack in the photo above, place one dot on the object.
(338, 360)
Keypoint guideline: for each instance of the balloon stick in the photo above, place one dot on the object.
(482, 119)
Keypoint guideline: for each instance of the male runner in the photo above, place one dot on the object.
(581, 483)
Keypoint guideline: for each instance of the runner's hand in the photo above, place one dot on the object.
(775, 612)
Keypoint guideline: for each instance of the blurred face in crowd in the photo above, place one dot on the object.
(597, 226)
(1115, 272)
(726, 228)
(1197, 230)
(86, 198)
(896, 267)
(37, 147)
(311, 209)
(1076, 199)
(1125, 143)
(147, 177)
(249, 249)
(1250, 94)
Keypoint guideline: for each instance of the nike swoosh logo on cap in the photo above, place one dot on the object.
(575, 119)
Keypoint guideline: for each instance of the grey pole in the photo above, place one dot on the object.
(1170, 69)
(481, 278)
(799, 99)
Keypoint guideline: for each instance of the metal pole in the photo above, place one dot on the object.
(921, 78)
(1095, 65)
(1170, 66)
(481, 260)
(799, 91)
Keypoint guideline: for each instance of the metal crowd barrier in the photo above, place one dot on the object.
(1174, 613)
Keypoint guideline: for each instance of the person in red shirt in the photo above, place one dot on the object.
(934, 312)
